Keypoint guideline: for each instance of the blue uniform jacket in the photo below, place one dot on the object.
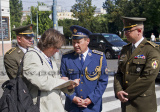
(72, 68)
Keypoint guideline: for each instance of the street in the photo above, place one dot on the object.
(110, 103)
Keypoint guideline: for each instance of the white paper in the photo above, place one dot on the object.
(65, 84)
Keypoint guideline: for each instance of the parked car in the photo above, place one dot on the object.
(110, 44)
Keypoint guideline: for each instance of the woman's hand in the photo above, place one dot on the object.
(65, 78)
(74, 84)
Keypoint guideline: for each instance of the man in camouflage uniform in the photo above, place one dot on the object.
(13, 57)
(134, 82)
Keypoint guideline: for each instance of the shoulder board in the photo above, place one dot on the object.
(97, 52)
(11, 50)
(71, 51)
(152, 44)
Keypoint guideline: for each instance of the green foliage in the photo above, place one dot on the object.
(83, 11)
(15, 15)
(44, 22)
(149, 9)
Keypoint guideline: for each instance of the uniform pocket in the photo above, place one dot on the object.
(139, 61)
(147, 93)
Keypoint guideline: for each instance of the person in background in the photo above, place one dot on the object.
(153, 38)
(90, 67)
(13, 57)
(45, 76)
(134, 82)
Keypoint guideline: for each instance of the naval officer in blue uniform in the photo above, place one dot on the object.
(90, 67)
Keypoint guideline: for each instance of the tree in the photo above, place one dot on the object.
(44, 22)
(83, 11)
(15, 15)
(67, 23)
(134, 8)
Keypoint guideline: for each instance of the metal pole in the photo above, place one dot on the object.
(1, 32)
(31, 14)
(37, 26)
(55, 25)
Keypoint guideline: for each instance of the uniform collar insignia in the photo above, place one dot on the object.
(89, 54)
(75, 54)
(19, 51)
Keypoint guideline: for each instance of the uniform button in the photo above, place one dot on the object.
(126, 82)
(82, 75)
(81, 96)
(144, 95)
(81, 82)
(81, 90)
(126, 72)
(128, 62)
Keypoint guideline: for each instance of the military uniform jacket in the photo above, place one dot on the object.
(43, 77)
(136, 75)
(72, 68)
(12, 61)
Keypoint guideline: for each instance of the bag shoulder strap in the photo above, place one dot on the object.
(20, 71)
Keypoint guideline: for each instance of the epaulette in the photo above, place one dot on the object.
(11, 50)
(152, 43)
(97, 52)
(68, 52)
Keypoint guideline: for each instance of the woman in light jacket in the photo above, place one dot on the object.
(44, 75)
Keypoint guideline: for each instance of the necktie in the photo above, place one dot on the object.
(82, 60)
(133, 48)
(50, 62)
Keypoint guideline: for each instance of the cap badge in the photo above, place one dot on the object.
(30, 27)
(75, 30)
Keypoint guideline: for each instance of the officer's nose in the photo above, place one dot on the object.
(76, 44)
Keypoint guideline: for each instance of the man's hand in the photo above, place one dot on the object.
(121, 95)
(79, 101)
(87, 101)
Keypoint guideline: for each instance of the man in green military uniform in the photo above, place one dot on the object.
(134, 82)
(13, 57)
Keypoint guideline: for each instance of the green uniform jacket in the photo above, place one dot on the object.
(12, 60)
(136, 75)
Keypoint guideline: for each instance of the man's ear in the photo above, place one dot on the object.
(88, 40)
(18, 38)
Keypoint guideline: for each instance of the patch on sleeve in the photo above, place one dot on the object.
(154, 64)
(97, 52)
(106, 70)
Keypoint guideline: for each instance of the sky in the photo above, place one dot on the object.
(65, 4)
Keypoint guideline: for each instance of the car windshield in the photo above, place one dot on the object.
(112, 37)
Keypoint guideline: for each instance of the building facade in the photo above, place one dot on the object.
(5, 45)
